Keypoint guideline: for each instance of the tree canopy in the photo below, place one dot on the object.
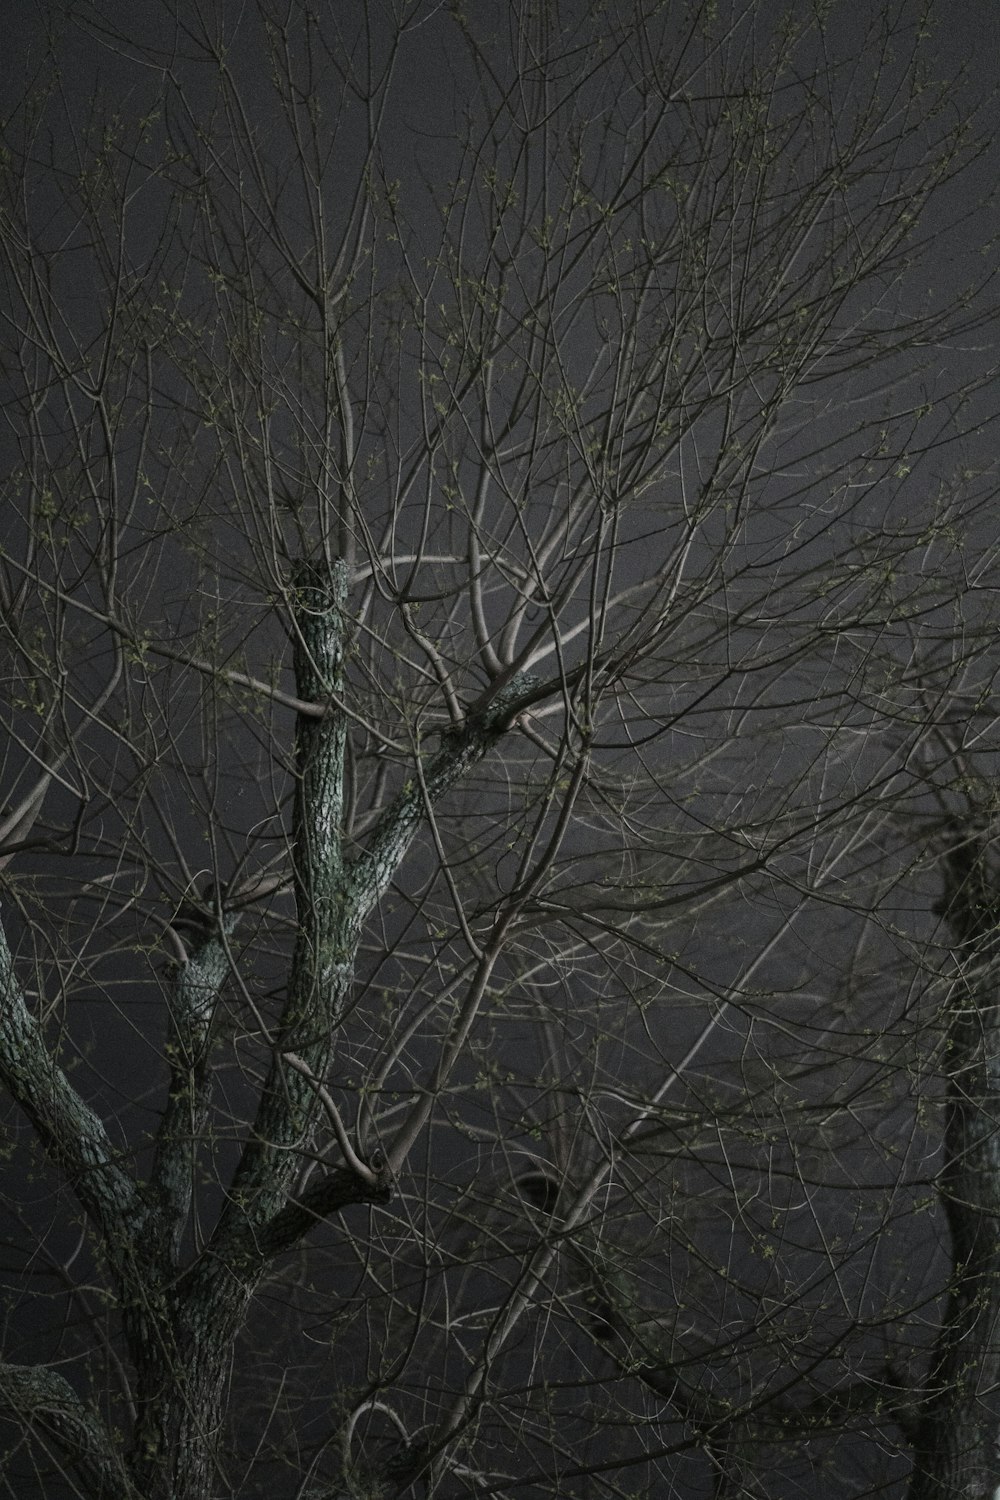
(496, 603)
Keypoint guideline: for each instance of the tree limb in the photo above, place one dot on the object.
(73, 1136)
(43, 1399)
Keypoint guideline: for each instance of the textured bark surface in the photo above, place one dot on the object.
(181, 1321)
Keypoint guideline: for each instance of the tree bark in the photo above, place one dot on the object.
(181, 1324)
(955, 1442)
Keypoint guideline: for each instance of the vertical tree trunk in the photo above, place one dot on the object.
(956, 1437)
(183, 1362)
(182, 1334)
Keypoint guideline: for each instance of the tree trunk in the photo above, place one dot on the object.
(183, 1371)
(956, 1436)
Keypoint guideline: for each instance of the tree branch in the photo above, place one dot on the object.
(330, 1195)
(461, 748)
(43, 1399)
(195, 990)
(73, 1136)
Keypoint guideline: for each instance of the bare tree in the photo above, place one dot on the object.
(489, 554)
